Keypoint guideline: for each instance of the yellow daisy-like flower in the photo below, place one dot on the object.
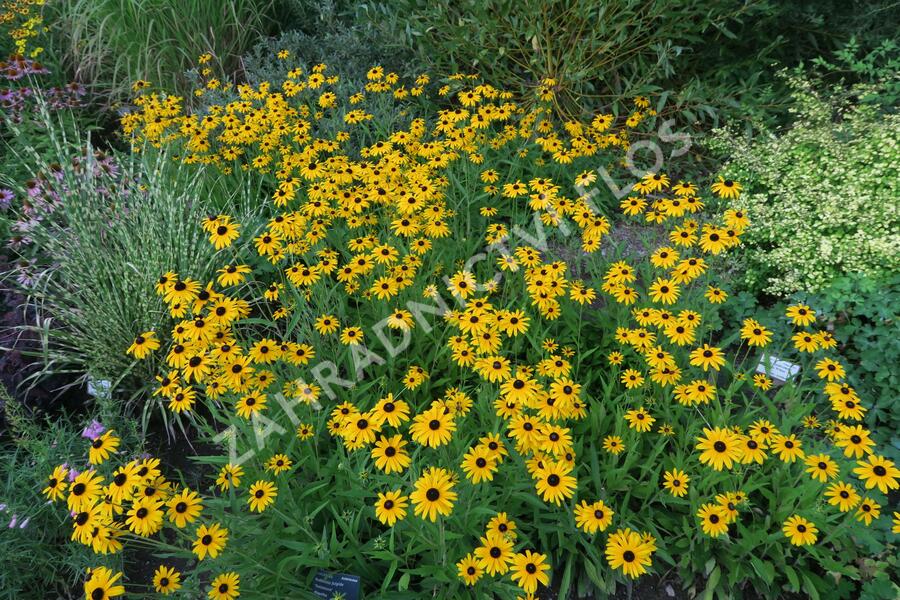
(229, 476)
(878, 471)
(799, 531)
(639, 420)
(433, 494)
(554, 482)
(143, 345)
(166, 580)
(628, 551)
(210, 541)
(102, 584)
(469, 570)
(613, 444)
(56, 483)
(721, 448)
(225, 587)
(391, 507)
(279, 463)
(529, 569)
(713, 520)
(352, 336)
(676, 482)
(727, 188)
(102, 446)
(184, 507)
(593, 517)
(262, 494)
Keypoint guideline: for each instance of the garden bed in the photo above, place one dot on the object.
(400, 304)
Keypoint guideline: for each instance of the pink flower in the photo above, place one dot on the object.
(94, 430)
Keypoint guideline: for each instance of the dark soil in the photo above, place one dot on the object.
(20, 360)
(176, 450)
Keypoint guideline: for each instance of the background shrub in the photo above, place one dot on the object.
(713, 58)
(822, 194)
(862, 315)
(591, 50)
(865, 322)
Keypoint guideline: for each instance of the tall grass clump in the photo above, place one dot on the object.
(96, 232)
(582, 50)
(108, 44)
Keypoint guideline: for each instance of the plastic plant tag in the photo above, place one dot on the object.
(774, 367)
(336, 585)
(98, 387)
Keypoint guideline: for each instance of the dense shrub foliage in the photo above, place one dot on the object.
(823, 195)
(862, 315)
(711, 60)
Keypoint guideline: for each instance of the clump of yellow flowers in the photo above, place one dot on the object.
(402, 253)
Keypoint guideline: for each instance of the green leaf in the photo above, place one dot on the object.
(764, 569)
(810, 588)
(792, 578)
(712, 582)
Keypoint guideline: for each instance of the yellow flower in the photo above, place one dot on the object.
(166, 580)
(225, 587)
(626, 550)
(56, 483)
(101, 584)
(799, 531)
(593, 517)
(391, 507)
(868, 510)
(676, 482)
(229, 476)
(842, 495)
(727, 188)
(469, 570)
(613, 444)
(433, 494)
(878, 471)
(210, 541)
(102, 446)
(639, 420)
(801, 315)
(530, 569)
(352, 336)
(713, 520)
(143, 345)
(720, 448)
(554, 482)
(184, 507)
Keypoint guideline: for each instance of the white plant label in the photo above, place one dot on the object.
(776, 368)
(98, 387)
